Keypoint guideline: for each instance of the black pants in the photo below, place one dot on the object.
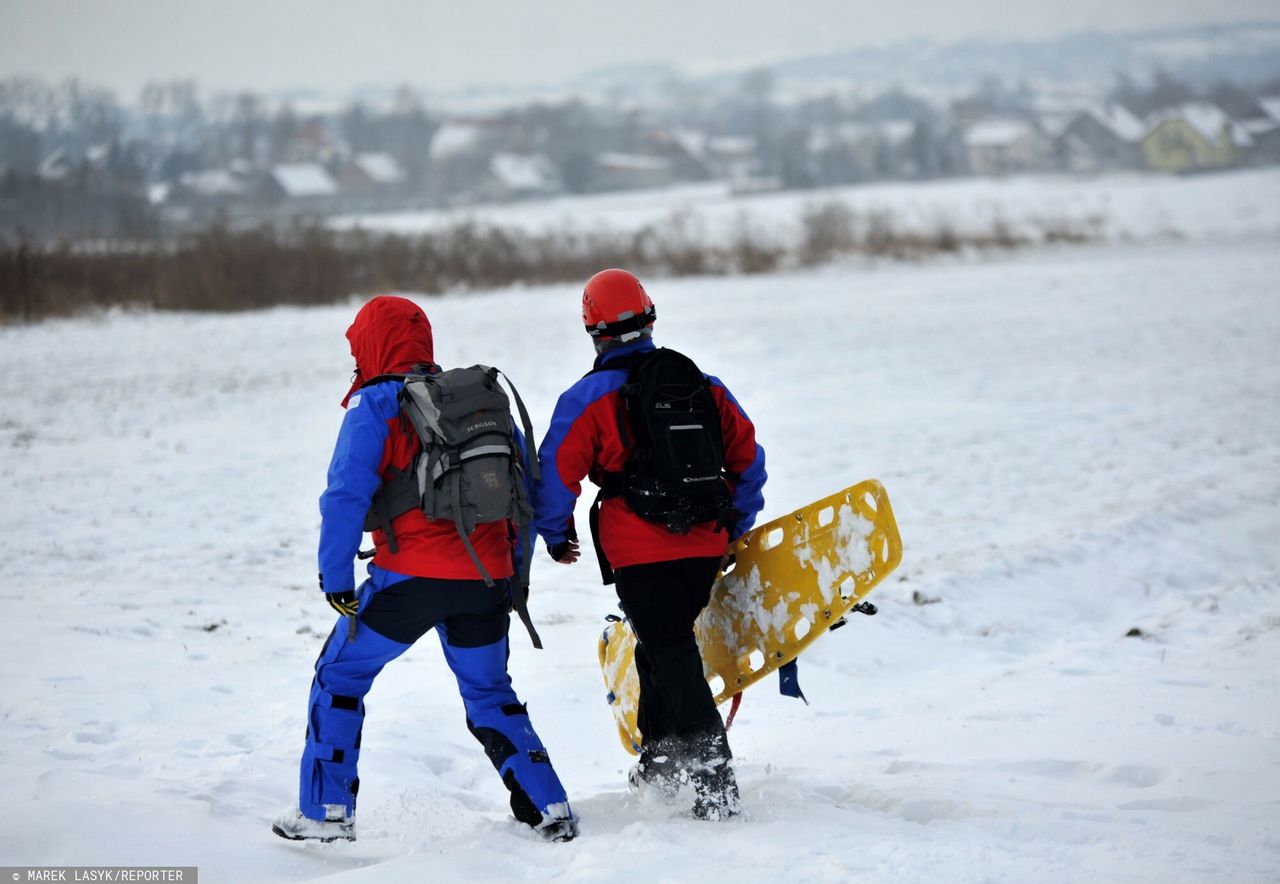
(677, 712)
(474, 615)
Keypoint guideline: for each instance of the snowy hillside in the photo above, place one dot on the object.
(1115, 207)
(1078, 443)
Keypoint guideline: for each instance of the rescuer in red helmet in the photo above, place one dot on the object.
(680, 476)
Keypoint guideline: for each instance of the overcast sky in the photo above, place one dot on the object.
(275, 44)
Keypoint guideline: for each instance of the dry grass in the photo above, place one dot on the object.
(219, 269)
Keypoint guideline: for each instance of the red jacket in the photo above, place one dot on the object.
(390, 336)
(583, 440)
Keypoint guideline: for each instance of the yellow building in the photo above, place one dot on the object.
(1192, 137)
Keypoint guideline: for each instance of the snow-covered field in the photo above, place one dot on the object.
(1118, 207)
(1077, 442)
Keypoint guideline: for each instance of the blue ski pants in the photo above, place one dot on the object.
(394, 612)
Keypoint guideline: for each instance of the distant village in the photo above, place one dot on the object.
(76, 164)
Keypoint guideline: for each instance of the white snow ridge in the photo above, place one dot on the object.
(1072, 677)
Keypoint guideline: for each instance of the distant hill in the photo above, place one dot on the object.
(1247, 53)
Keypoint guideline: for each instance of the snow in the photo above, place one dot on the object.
(1130, 206)
(1120, 121)
(1271, 104)
(691, 141)
(732, 145)
(1077, 442)
(381, 168)
(632, 161)
(894, 133)
(1259, 127)
(304, 179)
(453, 138)
(898, 132)
(213, 183)
(997, 133)
(522, 173)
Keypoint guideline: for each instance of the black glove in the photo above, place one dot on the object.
(343, 602)
(561, 551)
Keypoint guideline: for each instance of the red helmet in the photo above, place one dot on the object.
(615, 306)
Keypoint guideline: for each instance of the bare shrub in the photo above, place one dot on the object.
(218, 269)
(20, 296)
(827, 230)
(945, 237)
(881, 237)
(677, 246)
(1069, 231)
(222, 269)
(1002, 235)
(751, 251)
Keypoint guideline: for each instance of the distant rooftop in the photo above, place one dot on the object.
(522, 173)
(1206, 118)
(381, 168)
(304, 179)
(1122, 123)
(997, 133)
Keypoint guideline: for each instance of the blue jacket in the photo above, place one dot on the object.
(372, 440)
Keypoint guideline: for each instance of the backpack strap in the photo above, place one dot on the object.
(519, 588)
(520, 581)
(396, 496)
(593, 522)
(462, 533)
(399, 491)
(613, 484)
(520, 604)
(425, 368)
(535, 471)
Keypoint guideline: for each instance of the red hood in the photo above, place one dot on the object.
(390, 335)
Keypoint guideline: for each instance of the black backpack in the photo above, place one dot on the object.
(470, 471)
(675, 475)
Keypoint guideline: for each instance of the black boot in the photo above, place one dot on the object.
(715, 787)
(715, 793)
(656, 773)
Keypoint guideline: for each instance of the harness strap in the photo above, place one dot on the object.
(395, 497)
(420, 368)
(520, 604)
(593, 522)
(613, 483)
(520, 585)
(462, 532)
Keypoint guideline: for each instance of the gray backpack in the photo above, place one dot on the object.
(471, 470)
